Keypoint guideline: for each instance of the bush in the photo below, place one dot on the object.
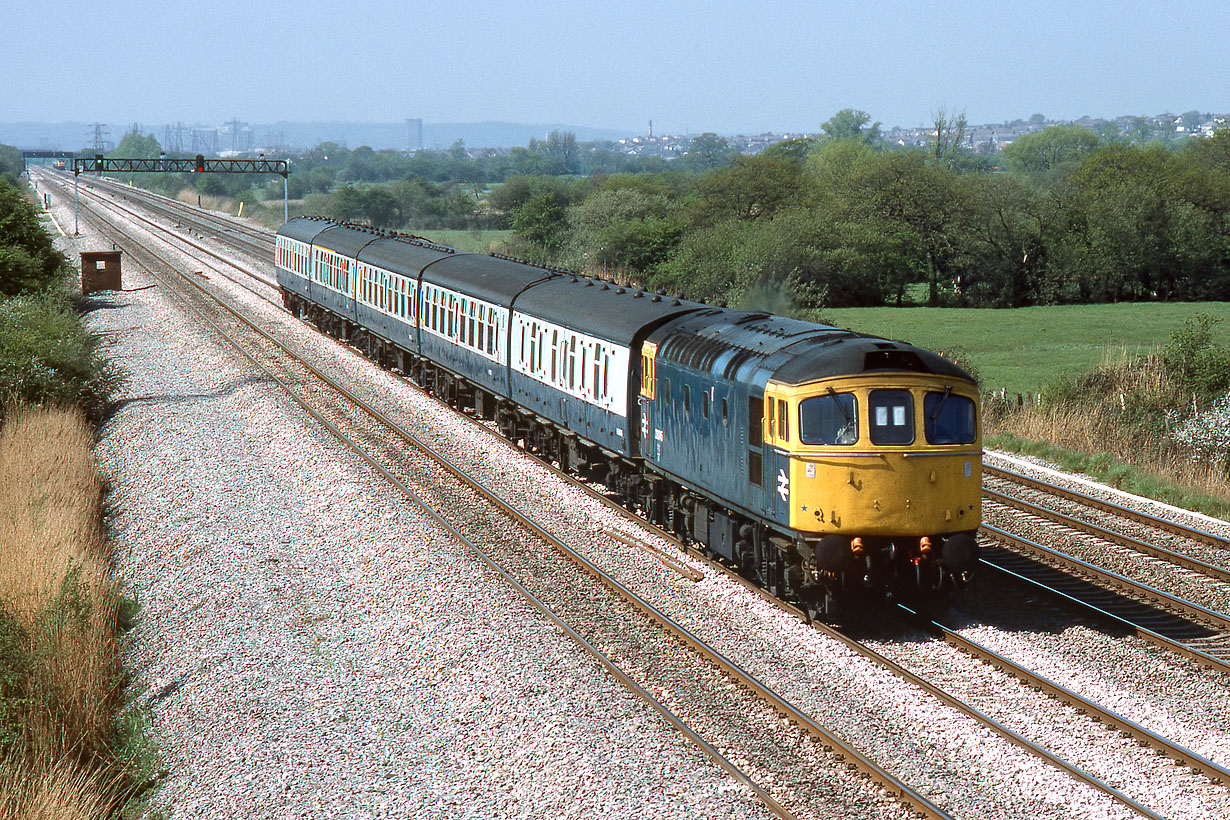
(28, 262)
(1201, 365)
(46, 357)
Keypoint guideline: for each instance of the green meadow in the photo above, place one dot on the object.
(471, 241)
(1021, 349)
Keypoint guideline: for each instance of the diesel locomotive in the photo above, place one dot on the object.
(822, 463)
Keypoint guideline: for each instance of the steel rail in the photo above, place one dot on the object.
(986, 720)
(1185, 561)
(726, 764)
(1143, 632)
(162, 229)
(167, 206)
(1149, 594)
(1109, 506)
(904, 793)
(1102, 714)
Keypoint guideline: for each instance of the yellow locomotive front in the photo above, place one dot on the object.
(884, 474)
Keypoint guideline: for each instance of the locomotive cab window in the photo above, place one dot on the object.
(829, 419)
(891, 413)
(949, 419)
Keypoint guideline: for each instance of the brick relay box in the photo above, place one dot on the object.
(100, 270)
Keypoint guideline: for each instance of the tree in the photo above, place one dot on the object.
(707, 151)
(542, 220)
(11, 164)
(562, 147)
(751, 188)
(950, 136)
(851, 124)
(134, 145)
(28, 261)
(623, 228)
(1049, 148)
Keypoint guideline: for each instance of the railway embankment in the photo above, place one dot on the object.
(65, 747)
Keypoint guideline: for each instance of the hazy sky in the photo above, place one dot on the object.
(698, 66)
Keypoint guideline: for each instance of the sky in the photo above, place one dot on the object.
(690, 66)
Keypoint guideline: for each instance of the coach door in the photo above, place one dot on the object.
(651, 434)
(756, 452)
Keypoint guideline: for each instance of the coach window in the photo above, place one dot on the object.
(597, 374)
(755, 421)
(533, 357)
(704, 404)
(572, 363)
(770, 413)
(687, 398)
(555, 357)
(725, 413)
(891, 414)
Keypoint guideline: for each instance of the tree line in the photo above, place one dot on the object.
(1061, 215)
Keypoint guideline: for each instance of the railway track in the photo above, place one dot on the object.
(850, 754)
(1118, 511)
(252, 240)
(1167, 619)
(635, 652)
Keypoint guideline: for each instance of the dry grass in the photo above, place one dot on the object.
(60, 677)
(54, 790)
(1117, 417)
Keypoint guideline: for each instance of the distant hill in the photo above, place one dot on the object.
(72, 136)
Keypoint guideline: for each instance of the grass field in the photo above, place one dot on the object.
(1022, 349)
(474, 241)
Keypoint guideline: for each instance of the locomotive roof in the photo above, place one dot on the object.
(735, 344)
(602, 309)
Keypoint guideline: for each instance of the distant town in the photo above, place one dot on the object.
(985, 138)
(239, 138)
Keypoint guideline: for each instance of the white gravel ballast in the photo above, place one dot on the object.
(310, 646)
